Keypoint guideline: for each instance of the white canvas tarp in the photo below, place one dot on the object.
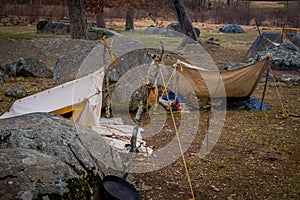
(83, 96)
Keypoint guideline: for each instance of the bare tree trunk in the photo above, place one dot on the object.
(100, 21)
(297, 22)
(184, 19)
(129, 19)
(77, 17)
(228, 2)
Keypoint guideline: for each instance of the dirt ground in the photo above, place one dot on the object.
(256, 157)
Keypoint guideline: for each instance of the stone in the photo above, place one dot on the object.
(67, 65)
(44, 156)
(152, 30)
(45, 50)
(290, 78)
(3, 76)
(284, 57)
(175, 30)
(175, 26)
(52, 27)
(95, 33)
(172, 30)
(17, 91)
(231, 28)
(269, 40)
(28, 67)
(89, 56)
(295, 39)
(28, 174)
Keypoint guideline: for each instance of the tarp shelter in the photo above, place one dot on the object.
(238, 83)
(81, 97)
(81, 101)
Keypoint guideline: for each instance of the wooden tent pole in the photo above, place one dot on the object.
(264, 92)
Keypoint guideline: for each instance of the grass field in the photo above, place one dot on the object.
(24, 32)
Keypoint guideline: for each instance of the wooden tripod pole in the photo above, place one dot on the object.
(264, 92)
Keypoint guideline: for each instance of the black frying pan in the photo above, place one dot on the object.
(116, 188)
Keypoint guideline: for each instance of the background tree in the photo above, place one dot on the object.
(78, 24)
(100, 21)
(129, 19)
(184, 19)
(97, 7)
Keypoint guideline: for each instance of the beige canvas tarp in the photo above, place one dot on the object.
(239, 82)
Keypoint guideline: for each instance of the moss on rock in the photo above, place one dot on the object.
(78, 189)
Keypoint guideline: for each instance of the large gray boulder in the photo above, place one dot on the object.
(67, 65)
(90, 56)
(28, 174)
(44, 156)
(95, 33)
(172, 30)
(45, 50)
(231, 28)
(155, 30)
(52, 27)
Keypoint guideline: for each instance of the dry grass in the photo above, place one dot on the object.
(265, 4)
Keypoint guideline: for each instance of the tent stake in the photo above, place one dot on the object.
(264, 92)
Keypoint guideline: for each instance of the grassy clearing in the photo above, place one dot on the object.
(151, 41)
(24, 33)
(248, 36)
(174, 42)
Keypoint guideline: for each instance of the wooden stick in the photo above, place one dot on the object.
(264, 92)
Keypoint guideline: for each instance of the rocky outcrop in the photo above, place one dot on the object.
(155, 30)
(290, 78)
(284, 57)
(90, 56)
(95, 33)
(67, 65)
(176, 27)
(285, 50)
(44, 156)
(172, 30)
(231, 28)
(28, 67)
(272, 39)
(45, 50)
(52, 27)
